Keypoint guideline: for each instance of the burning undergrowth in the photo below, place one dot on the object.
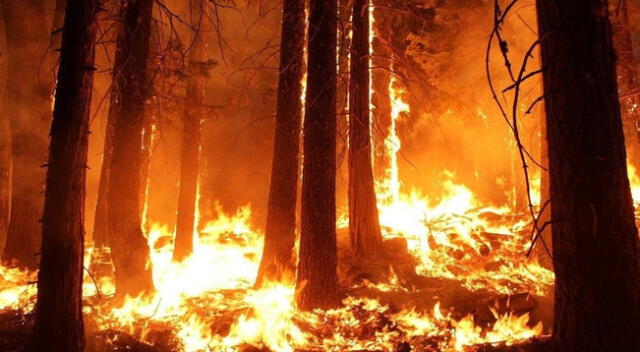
(459, 278)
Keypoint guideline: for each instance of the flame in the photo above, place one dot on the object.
(634, 182)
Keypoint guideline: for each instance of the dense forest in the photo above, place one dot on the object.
(319, 175)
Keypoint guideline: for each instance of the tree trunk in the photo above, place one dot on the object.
(58, 323)
(381, 76)
(595, 241)
(145, 168)
(129, 248)
(277, 262)
(317, 281)
(191, 126)
(29, 90)
(364, 226)
(628, 87)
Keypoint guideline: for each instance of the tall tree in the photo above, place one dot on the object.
(595, 241)
(317, 281)
(58, 322)
(381, 100)
(628, 80)
(129, 248)
(277, 257)
(29, 83)
(191, 126)
(364, 226)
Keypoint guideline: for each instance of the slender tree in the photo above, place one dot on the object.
(381, 100)
(317, 281)
(595, 241)
(29, 84)
(129, 248)
(364, 226)
(101, 220)
(277, 257)
(58, 323)
(191, 125)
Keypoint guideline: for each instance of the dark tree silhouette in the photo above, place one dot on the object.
(364, 226)
(595, 241)
(58, 315)
(129, 248)
(191, 127)
(317, 281)
(29, 84)
(277, 257)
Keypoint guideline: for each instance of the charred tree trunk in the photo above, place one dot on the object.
(595, 241)
(628, 85)
(29, 91)
(129, 248)
(277, 257)
(191, 127)
(317, 281)
(364, 226)
(58, 322)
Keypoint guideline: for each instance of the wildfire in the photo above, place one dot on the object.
(208, 304)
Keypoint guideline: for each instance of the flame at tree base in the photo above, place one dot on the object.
(206, 302)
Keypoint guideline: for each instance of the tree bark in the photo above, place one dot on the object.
(129, 248)
(191, 136)
(595, 241)
(317, 281)
(58, 316)
(277, 262)
(628, 85)
(29, 90)
(381, 76)
(364, 226)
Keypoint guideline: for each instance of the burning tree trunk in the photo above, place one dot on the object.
(145, 167)
(628, 87)
(595, 241)
(381, 76)
(129, 248)
(58, 323)
(29, 90)
(364, 227)
(191, 126)
(317, 281)
(277, 257)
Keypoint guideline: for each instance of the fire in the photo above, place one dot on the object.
(207, 302)
(212, 288)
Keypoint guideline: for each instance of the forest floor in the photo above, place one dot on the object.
(476, 291)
